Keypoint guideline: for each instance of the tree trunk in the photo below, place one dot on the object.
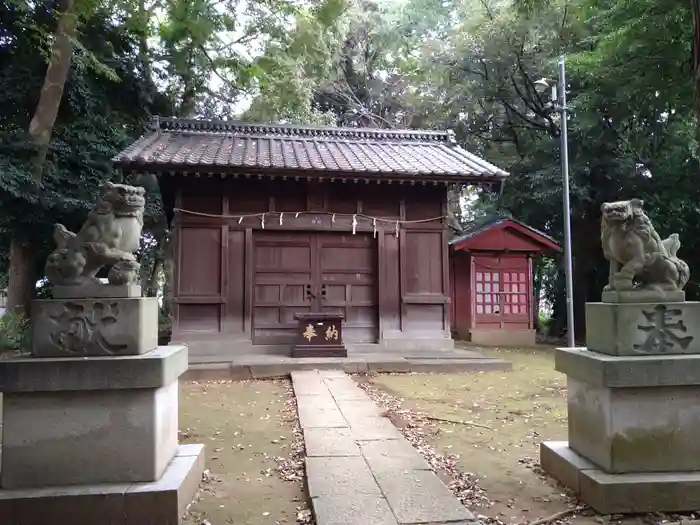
(22, 282)
(144, 51)
(537, 285)
(454, 212)
(22, 257)
(695, 4)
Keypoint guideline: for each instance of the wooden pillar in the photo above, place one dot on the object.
(402, 265)
(249, 284)
(177, 246)
(381, 284)
(472, 293)
(530, 293)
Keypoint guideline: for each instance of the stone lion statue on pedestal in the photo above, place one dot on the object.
(110, 237)
(639, 259)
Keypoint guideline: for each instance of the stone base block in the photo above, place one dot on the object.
(82, 421)
(643, 328)
(610, 371)
(633, 414)
(94, 290)
(620, 493)
(499, 337)
(94, 327)
(163, 502)
(625, 430)
(643, 296)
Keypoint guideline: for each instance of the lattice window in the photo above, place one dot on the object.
(515, 292)
(488, 288)
(501, 291)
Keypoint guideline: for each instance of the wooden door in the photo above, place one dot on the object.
(516, 294)
(487, 294)
(348, 283)
(286, 270)
(501, 292)
(313, 272)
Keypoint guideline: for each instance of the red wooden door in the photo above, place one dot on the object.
(316, 272)
(502, 297)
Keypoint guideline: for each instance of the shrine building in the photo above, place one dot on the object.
(272, 222)
(492, 282)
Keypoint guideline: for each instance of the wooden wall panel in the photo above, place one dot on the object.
(290, 196)
(199, 293)
(379, 200)
(423, 263)
(424, 317)
(199, 272)
(460, 295)
(424, 282)
(342, 198)
(203, 318)
(235, 292)
(249, 196)
(424, 202)
(202, 195)
(390, 291)
(316, 196)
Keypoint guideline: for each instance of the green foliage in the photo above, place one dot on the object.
(290, 68)
(14, 333)
(545, 321)
(99, 115)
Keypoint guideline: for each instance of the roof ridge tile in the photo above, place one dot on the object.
(173, 124)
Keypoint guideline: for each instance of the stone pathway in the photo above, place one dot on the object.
(360, 470)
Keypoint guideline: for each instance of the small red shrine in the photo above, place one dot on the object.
(491, 282)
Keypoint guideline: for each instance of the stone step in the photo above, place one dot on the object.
(269, 366)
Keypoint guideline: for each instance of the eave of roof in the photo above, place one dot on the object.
(222, 147)
(475, 230)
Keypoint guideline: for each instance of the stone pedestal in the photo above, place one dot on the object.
(108, 326)
(643, 328)
(94, 440)
(633, 409)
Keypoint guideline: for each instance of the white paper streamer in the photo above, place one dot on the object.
(374, 227)
(281, 215)
(240, 220)
(354, 224)
(333, 219)
(262, 221)
(297, 215)
(397, 228)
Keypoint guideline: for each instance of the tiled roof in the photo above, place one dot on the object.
(222, 146)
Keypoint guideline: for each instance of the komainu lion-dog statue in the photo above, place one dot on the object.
(110, 237)
(639, 259)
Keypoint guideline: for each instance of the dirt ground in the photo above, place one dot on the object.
(245, 426)
(510, 414)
